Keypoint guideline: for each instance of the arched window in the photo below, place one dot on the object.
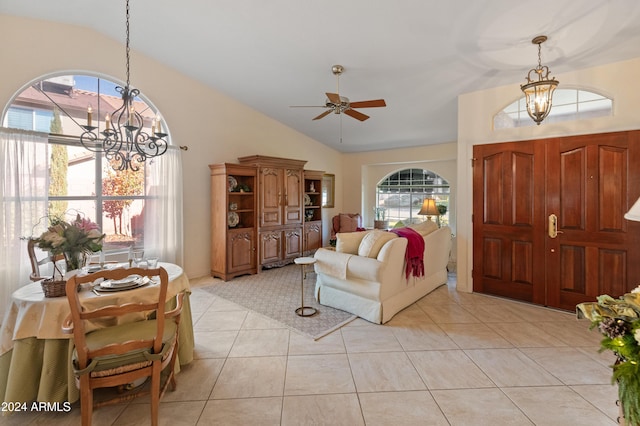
(401, 194)
(79, 180)
(568, 105)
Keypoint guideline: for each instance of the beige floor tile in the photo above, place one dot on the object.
(401, 409)
(556, 405)
(171, 413)
(370, 339)
(603, 397)
(220, 320)
(255, 321)
(408, 317)
(385, 371)
(318, 374)
(251, 377)
(524, 334)
(570, 365)
(322, 410)
(213, 344)
(195, 380)
(606, 358)
(510, 367)
(450, 313)
(242, 412)
(300, 344)
(493, 313)
(480, 407)
(573, 333)
(475, 336)
(261, 343)
(449, 370)
(421, 337)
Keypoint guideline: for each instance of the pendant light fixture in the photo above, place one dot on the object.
(124, 143)
(539, 88)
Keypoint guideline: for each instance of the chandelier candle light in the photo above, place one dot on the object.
(125, 144)
(539, 92)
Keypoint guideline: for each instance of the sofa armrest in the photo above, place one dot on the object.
(437, 248)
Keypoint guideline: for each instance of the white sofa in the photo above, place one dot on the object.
(370, 281)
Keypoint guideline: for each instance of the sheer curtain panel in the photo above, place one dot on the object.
(163, 210)
(24, 159)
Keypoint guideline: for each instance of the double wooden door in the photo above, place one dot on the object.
(548, 223)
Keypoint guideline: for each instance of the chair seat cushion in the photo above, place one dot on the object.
(140, 330)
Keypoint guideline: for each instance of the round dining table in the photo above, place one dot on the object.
(35, 353)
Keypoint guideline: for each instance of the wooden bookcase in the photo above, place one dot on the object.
(312, 211)
(233, 220)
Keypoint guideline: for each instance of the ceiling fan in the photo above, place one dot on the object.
(341, 104)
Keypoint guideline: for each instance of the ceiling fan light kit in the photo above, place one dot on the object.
(342, 105)
(539, 92)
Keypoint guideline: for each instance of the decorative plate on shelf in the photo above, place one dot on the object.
(233, 219)
(232, 183)
(307, 200)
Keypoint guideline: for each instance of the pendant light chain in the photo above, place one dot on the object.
(127, 44)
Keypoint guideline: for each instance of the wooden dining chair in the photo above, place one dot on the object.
(121, 354)
(36, 263)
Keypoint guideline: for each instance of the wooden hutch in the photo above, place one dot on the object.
(265, 212)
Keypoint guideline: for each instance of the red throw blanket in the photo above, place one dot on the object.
(414, 256)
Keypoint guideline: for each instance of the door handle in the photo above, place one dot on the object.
(553, 226)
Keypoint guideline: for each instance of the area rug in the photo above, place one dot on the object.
(275, 293)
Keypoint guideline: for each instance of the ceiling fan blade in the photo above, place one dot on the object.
(355, 114)
(368, 104)
(333, 98)
(324, 114)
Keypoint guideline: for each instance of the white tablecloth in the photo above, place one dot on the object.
(33, 315)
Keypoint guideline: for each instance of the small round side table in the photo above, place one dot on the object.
(303, 262)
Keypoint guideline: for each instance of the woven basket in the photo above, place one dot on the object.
(53, 288)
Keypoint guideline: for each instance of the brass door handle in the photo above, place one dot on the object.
(553, 226)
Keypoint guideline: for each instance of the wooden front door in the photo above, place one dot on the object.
(579, 186)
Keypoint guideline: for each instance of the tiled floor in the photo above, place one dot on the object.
(450, 359)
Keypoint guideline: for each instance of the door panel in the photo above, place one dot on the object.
(507, 212)
(588, 188)
(588, 182)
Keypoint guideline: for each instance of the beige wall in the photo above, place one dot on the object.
(617, 81)
(363, 171)
(216, 128)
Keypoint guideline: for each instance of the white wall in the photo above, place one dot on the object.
(618, 81)
(216, 128)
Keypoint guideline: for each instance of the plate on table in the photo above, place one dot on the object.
(127, 283)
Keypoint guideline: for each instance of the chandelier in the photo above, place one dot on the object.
(539, 92)
(124, 143)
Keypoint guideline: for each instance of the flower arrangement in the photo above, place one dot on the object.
(619, 321)
(72, 239)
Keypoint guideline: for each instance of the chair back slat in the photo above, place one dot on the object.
(80, 316)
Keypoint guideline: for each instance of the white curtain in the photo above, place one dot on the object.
(24, 159)
(163, 234)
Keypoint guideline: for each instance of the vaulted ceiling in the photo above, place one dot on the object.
(418, 55)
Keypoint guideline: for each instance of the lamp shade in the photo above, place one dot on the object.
(634, 212)
(429, 207)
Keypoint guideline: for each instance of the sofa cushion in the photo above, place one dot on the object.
(348, 242)
(373, 241)
(424, 228)
(349, 222)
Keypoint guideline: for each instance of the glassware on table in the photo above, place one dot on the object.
(138, 257)
(152, 262)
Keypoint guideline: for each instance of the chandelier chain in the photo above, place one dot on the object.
(127, 44)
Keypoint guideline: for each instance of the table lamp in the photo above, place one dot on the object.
(429, 208)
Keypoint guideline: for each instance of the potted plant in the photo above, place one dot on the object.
(619, 321)
(380, 222)
(74, 240)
